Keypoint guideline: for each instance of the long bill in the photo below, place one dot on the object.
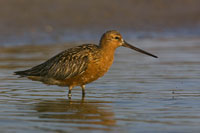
(125, 44)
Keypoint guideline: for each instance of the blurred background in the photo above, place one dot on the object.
(50, 21)
(138, 94)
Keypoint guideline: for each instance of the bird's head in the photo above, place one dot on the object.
(113, 39)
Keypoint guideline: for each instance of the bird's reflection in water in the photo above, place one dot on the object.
(90, 113)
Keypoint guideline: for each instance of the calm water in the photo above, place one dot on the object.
(138, 94)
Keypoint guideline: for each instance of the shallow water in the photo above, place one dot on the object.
(138, 94)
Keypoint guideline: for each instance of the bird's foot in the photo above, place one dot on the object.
(69, 96)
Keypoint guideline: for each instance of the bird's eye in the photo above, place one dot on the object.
(117, 38)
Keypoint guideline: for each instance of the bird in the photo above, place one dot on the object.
(80, 65)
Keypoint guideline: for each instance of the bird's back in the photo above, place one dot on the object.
(66, 64)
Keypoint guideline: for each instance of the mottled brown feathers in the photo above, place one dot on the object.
(66, 64)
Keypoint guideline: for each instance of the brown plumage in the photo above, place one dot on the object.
(79, 65)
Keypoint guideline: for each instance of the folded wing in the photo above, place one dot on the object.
(67, 64)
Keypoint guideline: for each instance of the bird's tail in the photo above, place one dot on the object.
(21, 73)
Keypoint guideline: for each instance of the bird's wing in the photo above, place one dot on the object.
(67, 64)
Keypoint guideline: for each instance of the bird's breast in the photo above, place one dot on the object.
(97, 68)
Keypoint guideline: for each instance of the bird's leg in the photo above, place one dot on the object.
(69, 92)
(83, 90)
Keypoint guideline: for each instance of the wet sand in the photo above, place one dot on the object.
(138, 94)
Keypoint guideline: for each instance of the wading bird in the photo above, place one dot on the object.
(80, 65)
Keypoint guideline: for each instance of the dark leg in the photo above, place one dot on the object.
(69, 92)
(83, 90)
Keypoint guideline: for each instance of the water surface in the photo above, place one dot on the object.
(138, 94)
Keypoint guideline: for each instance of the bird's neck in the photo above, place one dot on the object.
(107, 56)
(108, 48)
(108, 52)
